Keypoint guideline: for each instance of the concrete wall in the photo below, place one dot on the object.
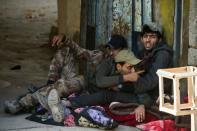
(69, 12)
(167, 18)
(24, 28)
(29, 20)
(192, 55)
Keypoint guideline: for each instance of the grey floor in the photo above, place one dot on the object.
(33, 61)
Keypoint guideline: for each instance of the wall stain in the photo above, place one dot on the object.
(167, 19)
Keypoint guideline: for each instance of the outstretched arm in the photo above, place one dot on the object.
(61, 41)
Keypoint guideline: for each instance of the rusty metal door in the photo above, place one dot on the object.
(125, 17)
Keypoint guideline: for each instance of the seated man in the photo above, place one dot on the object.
(155, 55)
(125, 62)
(63, 72)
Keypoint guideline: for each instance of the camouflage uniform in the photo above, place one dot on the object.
(64, 72)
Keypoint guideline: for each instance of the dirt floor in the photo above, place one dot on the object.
(22, 65)
(30, 63)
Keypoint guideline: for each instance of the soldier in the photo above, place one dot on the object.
(63, 71)
(124, 63)
(155, 55)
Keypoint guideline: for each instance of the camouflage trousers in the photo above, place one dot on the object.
(64, 71)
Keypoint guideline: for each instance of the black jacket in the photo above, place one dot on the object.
(158, 58)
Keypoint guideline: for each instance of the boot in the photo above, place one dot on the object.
(58, 110)
(12, 106)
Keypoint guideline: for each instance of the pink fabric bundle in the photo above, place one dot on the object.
(160, 125)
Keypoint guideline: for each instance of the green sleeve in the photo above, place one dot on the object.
(105, 77)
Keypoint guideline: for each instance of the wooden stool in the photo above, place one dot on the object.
(178, 108)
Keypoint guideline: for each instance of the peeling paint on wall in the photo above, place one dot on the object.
(138, 15)
(116, 17)
(122, 18)
(147, 11)
(101, 22)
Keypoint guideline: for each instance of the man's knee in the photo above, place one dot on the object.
(65, 87)
(27, 100)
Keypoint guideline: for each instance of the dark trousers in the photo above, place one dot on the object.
(106, 97)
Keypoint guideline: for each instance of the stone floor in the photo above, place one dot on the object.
(31, 63)
(19, 123)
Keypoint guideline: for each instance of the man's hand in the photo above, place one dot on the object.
(131, 77)
(140, 113)
(58, 39)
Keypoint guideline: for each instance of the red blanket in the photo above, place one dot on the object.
(160, 125)
(151, 123)
(130, 120)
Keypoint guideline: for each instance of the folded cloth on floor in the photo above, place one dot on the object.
(118, 108)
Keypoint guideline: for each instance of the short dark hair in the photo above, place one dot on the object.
(152, 28)
(117, 42)
(121, 63)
